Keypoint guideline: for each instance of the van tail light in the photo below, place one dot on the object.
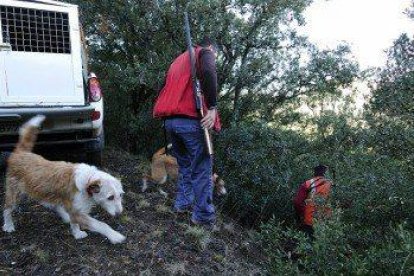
(94, 88)
(96, 115)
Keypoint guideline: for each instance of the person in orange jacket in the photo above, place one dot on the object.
(311, 199)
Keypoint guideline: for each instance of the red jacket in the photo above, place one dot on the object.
(177, 97)
(304, 203)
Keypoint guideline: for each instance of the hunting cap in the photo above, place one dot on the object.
(320, 170)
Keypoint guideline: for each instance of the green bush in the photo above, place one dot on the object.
(262, 168)
(132, 130)
(147, 133)
(376, 189)
(333, 253)
(372, 191)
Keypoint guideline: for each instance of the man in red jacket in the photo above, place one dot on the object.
(311, 199)
(176, 105)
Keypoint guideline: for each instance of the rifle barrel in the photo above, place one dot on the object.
(196, 87)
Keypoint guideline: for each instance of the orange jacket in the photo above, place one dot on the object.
(311, 199)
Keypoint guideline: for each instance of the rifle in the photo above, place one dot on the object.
(196, 83)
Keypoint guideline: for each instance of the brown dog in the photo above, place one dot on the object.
(69, 189)
(164, 166)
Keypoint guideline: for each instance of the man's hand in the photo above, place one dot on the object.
(209, 119)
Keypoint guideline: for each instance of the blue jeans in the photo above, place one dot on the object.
(195, 184)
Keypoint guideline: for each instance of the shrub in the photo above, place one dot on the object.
(332, 252)
(136, 131)
(376, 188)
(262, 168)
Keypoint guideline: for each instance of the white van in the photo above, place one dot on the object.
(43, 70)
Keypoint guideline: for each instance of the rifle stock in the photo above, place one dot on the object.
(196, 84)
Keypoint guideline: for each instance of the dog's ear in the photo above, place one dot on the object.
(94, 187)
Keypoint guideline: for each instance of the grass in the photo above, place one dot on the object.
(125, 219)
(42, 256)
(176, 269)
(156, 234)
(199, 235)
(218, 258)
(146, 272)
(133, 196)
(229, 227)
(163, 209)
(142, 203)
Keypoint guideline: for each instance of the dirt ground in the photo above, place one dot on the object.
(158, 242)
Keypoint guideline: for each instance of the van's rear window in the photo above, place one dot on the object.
(31, 30)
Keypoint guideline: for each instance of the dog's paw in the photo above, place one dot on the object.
(66, 219)
(9, 228)
(117, 238)
(64, 216)
(80, 235)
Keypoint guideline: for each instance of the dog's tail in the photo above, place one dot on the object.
(28, 133)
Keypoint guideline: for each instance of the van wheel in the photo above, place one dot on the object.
(95, 158)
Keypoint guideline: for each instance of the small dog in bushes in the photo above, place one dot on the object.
(69, 189)
(164, 166)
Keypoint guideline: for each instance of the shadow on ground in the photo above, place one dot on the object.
(158, 242)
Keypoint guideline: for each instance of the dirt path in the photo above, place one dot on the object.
(158, 242)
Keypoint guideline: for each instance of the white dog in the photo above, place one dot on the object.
(70, 189)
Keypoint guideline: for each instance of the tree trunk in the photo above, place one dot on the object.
(236, 105)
